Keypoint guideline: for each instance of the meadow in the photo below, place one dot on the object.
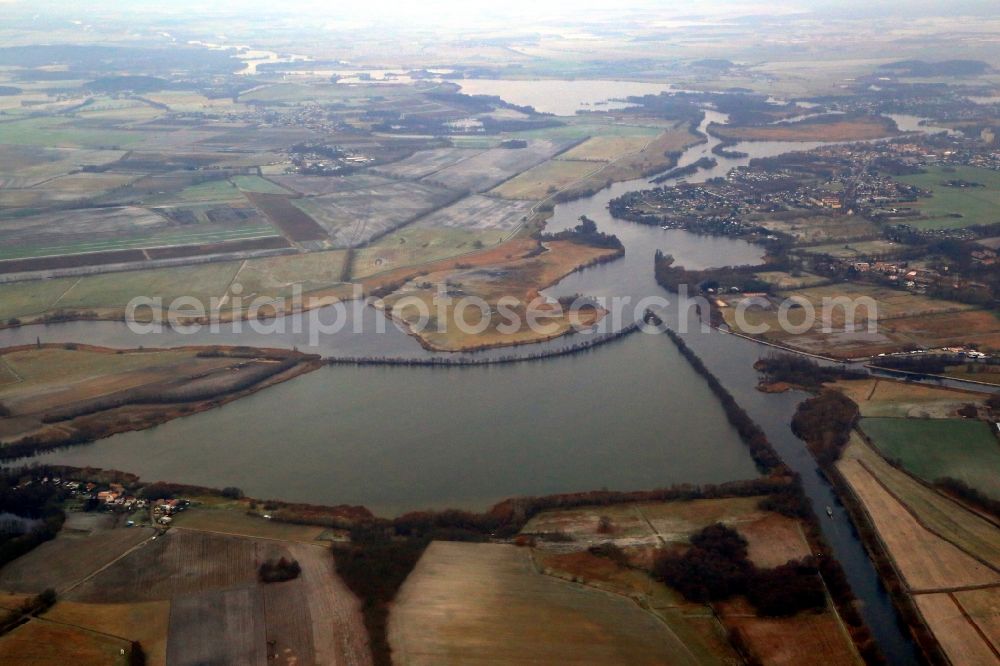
(954, 207)
(930, 449)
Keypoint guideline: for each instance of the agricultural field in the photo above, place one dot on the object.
(469, 602)
(936, 543)
(40, 641)
(826, 129)
(427, 162)
(145, 622)
(67, 560)
(107, 295)
(480, 214)
(895, 399)
(904, 320)
(320, 185)
(29, 166)
(856, 250)
(952, 207)
(489, 168)
(209, 583)
(931, 449)
(822, 228)
(955, 625)
(544, 180)
(784, 280)
(606, 148)
(416, 244)
(354, 217)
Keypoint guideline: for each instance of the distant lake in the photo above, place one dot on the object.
(561, 97)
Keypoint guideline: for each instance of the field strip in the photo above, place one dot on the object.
(7, 365)
(225, 292)
(42, 618)
(69, 289)
(100, 569)
(957, 588)
(968, 618)
(920, 521)
(248, 536)
(642, 516)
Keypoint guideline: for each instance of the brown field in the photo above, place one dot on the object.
(969, 531)
(218, 611)
(958, 637)
(143, 622)
(236, 522)
(806, 638)
(925, 560)
(889, 398)
(518, 278)
(468, 603)
(983, 609)
(338, 633)
(293, 222)
(47, 643)
(544, 180)
(856, 129)
(178, 563)
(67, 560)
(218, 626)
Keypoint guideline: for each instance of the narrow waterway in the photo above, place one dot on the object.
(630, 414)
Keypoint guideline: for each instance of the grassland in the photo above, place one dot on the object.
(605, 148)
(238, 522)
(856, 129)
(485, 602)
(934, 448)
(824, 229)
(545, 179)
(856, 250)
(953, 207)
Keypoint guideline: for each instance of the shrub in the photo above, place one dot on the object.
(276, 571)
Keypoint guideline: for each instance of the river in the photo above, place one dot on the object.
(629, 414)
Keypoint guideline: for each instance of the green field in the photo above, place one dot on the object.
(933, 448)
(48, 131)
(975, 205)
